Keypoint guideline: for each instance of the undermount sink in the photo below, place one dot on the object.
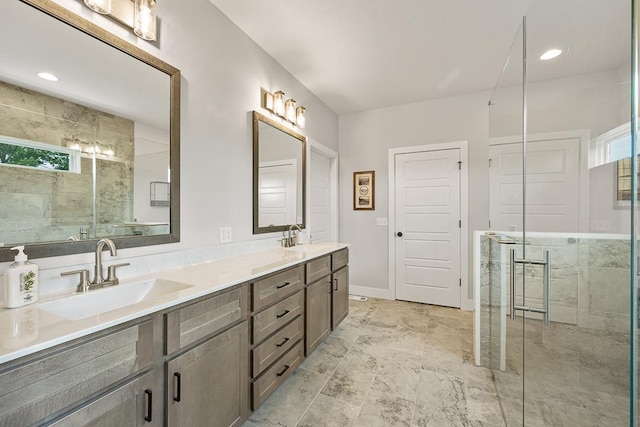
(100, 301)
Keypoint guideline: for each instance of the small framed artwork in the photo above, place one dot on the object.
(364, 190)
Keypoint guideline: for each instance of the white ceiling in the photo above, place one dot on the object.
(358, 55)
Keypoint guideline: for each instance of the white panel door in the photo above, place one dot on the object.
(427, 216)
(320, 219)
(277, 193)
(552, 185)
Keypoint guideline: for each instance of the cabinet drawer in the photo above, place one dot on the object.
(45, 386)
(188, 324)
(339, 259)
(318, 268)
(271, 289)
(270, 350)
(128, 405)
(274, 376)
(273, 318)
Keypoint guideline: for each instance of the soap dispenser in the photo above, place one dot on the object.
(20, 281)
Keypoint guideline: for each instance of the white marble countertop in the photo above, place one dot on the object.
(29, 329)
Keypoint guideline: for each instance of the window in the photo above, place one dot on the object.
(624, 179)
(38, 155)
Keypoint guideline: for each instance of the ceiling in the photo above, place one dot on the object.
(358, 55)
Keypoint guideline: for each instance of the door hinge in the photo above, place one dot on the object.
(490, 162)
(460, 282)
(460, 165)
(459, 223)
(489, 224)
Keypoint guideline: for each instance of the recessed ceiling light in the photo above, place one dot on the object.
(48, 76)
(550, 54)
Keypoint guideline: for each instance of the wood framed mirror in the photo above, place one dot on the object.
(114, 115)
(279, 171)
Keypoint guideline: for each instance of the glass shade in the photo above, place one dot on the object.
(278, 103)
(144, 19)
(301, 119)
(101, 6)
(290, 110)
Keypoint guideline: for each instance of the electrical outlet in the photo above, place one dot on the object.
(225, 234)
(382, 221)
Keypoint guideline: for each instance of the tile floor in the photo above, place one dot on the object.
(574, 376)
(389, 363)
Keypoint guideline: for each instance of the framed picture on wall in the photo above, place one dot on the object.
(364, 190)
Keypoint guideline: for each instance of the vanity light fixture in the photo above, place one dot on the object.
(287, 110)
(103, 7)
(139, 15)
(550, 54)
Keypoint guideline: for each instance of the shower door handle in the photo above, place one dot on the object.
(545, 285)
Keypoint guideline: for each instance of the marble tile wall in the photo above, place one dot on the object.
(47, 206)
(589, 278)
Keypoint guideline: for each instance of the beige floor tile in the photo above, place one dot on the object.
(382, 409)
(330, 412)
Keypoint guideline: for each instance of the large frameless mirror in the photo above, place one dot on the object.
(278, 176)
(91, 148)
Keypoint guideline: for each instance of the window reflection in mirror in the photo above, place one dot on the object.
(78, 155)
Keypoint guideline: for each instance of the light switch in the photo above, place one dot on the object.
(225, 235)
(382, 221)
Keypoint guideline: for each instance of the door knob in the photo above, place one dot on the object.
(399, 234)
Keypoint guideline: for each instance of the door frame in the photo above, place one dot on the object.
(584, 137)
(465, 302)
(334, 157)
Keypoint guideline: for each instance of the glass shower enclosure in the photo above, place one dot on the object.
(558, 318)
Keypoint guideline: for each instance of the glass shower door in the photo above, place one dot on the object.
(563, 188)
(505, 182)
(572, 277)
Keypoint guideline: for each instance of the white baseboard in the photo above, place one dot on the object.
(366, 291)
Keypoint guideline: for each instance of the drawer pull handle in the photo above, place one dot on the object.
(281, 373)
(283, 342)
(178, 396)
(336, 282)
(149, 394)
(284, 313)
(283, 285)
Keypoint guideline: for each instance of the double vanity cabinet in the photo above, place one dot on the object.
(204, 362)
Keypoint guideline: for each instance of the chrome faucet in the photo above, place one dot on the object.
(292, 240)
(98, 277)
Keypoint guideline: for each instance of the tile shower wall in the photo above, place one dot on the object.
(589, 279)
(49, 206)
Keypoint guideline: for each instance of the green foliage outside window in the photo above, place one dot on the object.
(33, 157)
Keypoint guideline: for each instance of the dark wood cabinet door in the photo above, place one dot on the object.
(318, 313)
(340, 296)
(207, 385)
